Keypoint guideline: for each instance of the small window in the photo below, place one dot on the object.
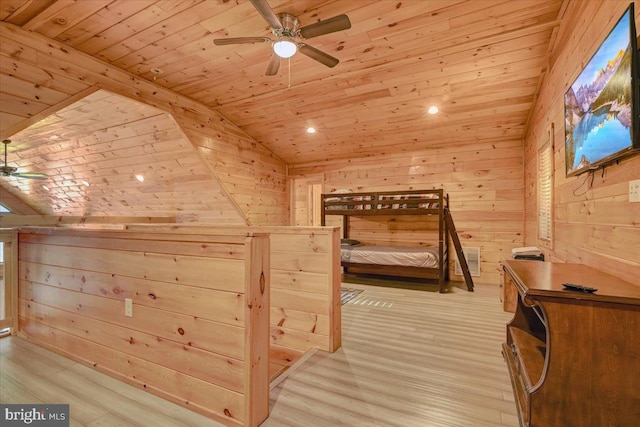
(3, 209)
(545, 189)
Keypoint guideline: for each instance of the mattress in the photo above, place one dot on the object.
(392, 255)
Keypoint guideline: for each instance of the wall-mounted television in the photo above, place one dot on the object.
(601, 106)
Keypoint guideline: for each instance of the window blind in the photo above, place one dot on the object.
(545, 186)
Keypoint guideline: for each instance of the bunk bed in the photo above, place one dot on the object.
(427, 262)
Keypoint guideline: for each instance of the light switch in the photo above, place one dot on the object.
(128, 307)
(634, 191)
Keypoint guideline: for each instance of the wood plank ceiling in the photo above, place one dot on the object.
(479, 61)
(107, 155)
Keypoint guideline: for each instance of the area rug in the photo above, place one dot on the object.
(347, 294)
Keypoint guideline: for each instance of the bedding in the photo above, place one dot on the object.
(392, 255)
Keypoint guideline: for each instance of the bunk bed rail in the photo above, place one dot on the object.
(412, 202)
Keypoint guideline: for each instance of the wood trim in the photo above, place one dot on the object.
(49, 220)
(257, 290)
(11, 272)
(335, 302)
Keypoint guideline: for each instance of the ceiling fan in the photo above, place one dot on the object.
(289, 37)
(6, 170)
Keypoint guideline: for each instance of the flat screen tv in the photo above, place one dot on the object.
(601, 106)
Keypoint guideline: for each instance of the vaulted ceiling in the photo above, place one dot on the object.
(479, 61)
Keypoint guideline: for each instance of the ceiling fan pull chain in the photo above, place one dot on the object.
(289, 73)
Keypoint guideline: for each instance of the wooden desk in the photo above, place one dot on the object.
(573, 357)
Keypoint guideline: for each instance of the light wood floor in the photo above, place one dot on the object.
(409, 358)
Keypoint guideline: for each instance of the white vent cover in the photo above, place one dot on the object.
(472, 255)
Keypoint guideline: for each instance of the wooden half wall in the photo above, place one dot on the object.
(198, 334)
(305, 288)
(305, 282)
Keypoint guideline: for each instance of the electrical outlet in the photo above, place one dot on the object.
(634, 191)
(128, 307)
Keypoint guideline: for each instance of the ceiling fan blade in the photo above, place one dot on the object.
(5, 142)
(274, 66)
(331, 25)
(241, 40)
(318, 55)
(29, 175)
(267, 13)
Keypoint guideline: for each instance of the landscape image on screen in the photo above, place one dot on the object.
(598, 106)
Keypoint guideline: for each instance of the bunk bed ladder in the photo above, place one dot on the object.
(456, 243)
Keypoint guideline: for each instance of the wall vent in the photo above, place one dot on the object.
(472, 255)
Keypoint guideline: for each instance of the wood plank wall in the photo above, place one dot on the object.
(596, 226)
(305, 282)
(35, 67)
(485, 184)
(305, 288)
(101, 143)
(199, 332)
(254, 177)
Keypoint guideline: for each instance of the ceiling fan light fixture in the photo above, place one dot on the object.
(285, 48)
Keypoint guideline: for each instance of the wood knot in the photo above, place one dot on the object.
(152, 296)
(181, 331)
(227, 413)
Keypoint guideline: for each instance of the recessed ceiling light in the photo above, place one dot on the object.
(311, 130)
(85, 183)
(433, 110)
(45, 187)
(156, 72)
(140, 178)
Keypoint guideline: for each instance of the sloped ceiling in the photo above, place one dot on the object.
(479, 61)
(94, 150)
